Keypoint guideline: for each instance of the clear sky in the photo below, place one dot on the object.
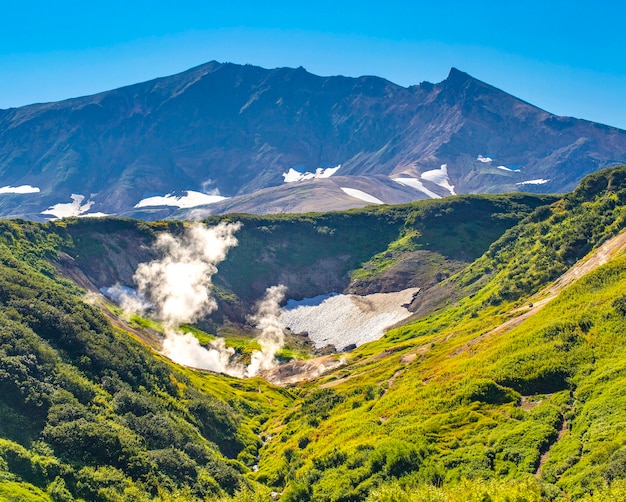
(568, 57)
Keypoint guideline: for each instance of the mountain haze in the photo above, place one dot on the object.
(237, 131)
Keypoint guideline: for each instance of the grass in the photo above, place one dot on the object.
(468, 426)
(480, 413)
(442, 408)
(12, 491)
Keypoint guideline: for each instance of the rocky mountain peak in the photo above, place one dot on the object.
(222, 129)
(457, 77)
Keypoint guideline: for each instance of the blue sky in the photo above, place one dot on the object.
(566, 57)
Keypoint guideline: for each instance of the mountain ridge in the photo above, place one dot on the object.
(228, 129)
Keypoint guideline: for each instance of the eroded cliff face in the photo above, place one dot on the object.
(108, 256)
(366, 251)
(415, 269)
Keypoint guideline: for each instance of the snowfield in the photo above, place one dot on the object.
(418, 185)
(293, 176)
(343, 320)
(359, 194)
(439, 177)
(192, 199)
(75, 208)
(539, 181)
(22, 189)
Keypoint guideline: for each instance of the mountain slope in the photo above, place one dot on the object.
(474, 395)
(233, 130)
(465, 395)
(87, 411)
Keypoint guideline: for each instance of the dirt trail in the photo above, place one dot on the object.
(562, 430)
(544, 456)
(607, 251)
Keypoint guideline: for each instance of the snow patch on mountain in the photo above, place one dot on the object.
(343, 320)
(22, 189)
(539, 181)
(359, 194)
(191, 199)
(95, 215)
(439, 177)
(74, 208)
(292, 175)
(489, 160)
(418, 185)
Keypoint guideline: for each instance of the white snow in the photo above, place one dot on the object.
(20, 189)
(343, 320)
(74, 208)
(485, 160)
(293, 175)
(192, 199)
(439, 177)
(539, 181)
(504, 168)
(93, 215)
(418, 185)
(358, 194)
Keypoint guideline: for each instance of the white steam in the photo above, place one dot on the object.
(185, 349)
(130, 300)
(178, 285)
(178, 288)
(272, 338)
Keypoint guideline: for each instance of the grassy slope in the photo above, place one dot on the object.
(432, 404)
(360, 244)
(422, 412)
(87, 411)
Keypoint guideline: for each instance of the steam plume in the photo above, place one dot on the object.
(178, 287)
(178, 284)
(130, 300)
(271, 338)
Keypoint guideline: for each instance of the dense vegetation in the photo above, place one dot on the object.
(360, 244)
(87, 411)
(448, 405)
(455, 405)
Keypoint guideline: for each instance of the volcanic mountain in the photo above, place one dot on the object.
(226, 137)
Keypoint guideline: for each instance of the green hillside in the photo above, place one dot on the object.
(502, 386)
(449, 405)
(88, 412)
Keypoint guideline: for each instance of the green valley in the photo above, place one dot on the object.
(505, 383)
